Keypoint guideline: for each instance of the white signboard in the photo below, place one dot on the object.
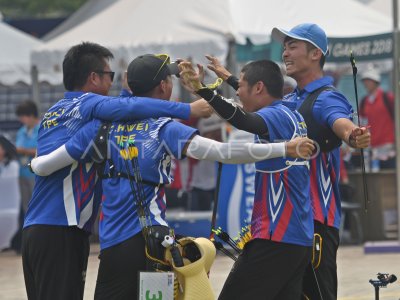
(156, 286)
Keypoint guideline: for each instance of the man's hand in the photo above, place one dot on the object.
(200, 109)
(201, 73)
(360, 137)
(300, 147)
(189, 77)
(217, 68)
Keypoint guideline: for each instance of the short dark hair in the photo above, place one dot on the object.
(266, 71)
(80, 61)
(27, 108)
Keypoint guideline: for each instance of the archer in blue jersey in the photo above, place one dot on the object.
(328, 114)
(282, 210)
(122, 246)
(63, 206)
(272, 263)
(68, 198)
(157, 141)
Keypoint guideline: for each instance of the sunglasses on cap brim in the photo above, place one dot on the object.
(173, 67)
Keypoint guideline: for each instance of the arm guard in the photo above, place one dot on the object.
(234, 114)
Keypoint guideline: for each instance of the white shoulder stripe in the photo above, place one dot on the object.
(86, 213)
(68, 196)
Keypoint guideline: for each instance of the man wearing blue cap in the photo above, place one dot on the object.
(328, 116)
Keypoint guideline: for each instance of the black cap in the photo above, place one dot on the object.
(146, 71)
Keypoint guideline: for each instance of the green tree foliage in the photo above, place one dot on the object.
(38, 8)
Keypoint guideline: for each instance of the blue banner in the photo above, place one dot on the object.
(236, 198)
(365, 48)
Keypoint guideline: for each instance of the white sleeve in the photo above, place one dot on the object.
(46, 164)
(233, 153)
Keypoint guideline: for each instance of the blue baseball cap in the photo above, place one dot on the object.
(308, 32)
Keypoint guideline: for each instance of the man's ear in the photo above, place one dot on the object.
(92, 79)
(259, 86)
(163, 85)
(316, 54)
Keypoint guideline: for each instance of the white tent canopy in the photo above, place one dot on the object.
(339, 18)
(15, 54)
(88, 10)
(383, 6)
(196, 27)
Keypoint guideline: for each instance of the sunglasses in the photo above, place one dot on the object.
(111, 73)
(166, 60)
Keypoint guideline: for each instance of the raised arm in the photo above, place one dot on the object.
(76, 148)
(233, 113)
(47, 164)
(226, 108)
(354, 136)
(219, 70)
(138, 108)
(127, 107)
(239, 153)
(336, 112)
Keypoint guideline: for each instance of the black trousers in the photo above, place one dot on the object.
(267, 270)
(119, 268)
(326, 272)
(54, 260)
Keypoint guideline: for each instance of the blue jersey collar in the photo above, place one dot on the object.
(316, 84)
(290, 104)
(74, 94)
(276, 102)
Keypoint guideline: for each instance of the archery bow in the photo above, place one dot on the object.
(354, 68)
(218, 245)
(216, 196)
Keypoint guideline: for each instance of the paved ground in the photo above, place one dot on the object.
(354, 270)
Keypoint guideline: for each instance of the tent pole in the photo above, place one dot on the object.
(35, 86)
(396, 49)
(231, 64)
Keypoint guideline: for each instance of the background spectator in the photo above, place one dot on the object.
(203, 179)
(377, 107)
(26, 142)
(10, 200)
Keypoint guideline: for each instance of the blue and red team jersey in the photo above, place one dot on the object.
(282, 209)
(325, 176)
(158, 141)
(70, 196)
